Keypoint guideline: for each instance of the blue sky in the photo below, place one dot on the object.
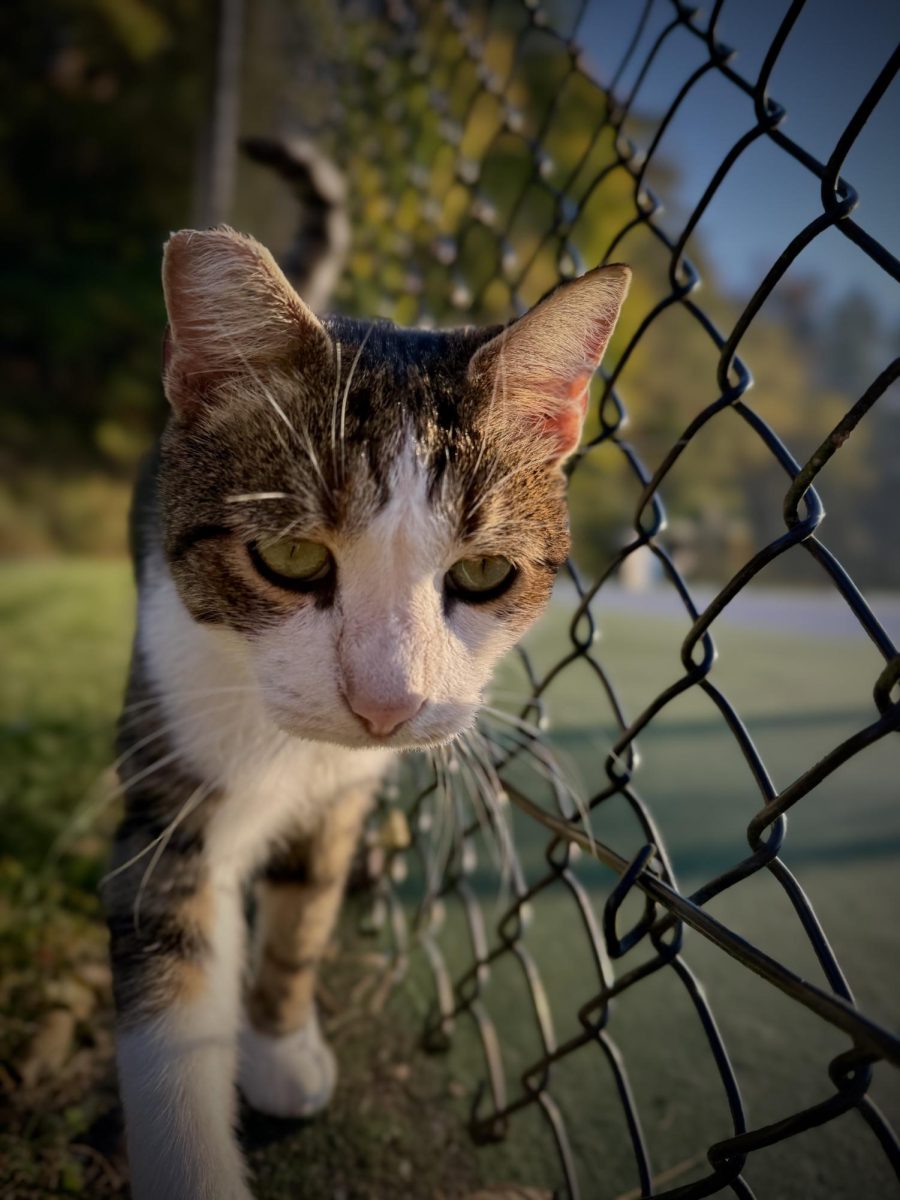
(827, 64)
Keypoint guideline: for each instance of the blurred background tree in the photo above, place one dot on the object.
(102, 103)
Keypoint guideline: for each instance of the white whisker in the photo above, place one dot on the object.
(193, 801)
(499, 377)
(511, 719)
(251, 497)
(334, 404)
(313, 457)
(182, 813)
(193, 693)
(350, 375)
(544, 763)
(443, 832)
(285, 532)
(493, 791)
(94, 805)
(494, 483)
(476, 800)
(490, 815)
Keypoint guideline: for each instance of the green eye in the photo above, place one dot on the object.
(293, 561)
(481, 578)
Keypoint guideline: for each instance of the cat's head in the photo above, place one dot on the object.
(376, 513)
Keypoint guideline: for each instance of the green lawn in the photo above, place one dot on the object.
(64, 639)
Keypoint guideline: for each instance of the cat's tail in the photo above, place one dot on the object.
(319, 251)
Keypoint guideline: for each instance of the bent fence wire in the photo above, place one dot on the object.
(476, 139)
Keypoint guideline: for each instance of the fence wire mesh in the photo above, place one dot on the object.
(486, 158)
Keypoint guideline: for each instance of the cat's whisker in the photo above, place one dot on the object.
(536, 762)
(494, 790)
(443, 837)
(145, 772)
(431, 754)
(281, 413)
(305, 440)
(164, 761)
(253, 497)
(179, 723)
(152, 768)
(229, 336)
(525, 744)
(314, 459)
(135, 858)
(433, 872)
(476, 800)
(285, 532)
(543, 762)
(193, 802)
(490, 816)
(508, 718)
(94, 805)
(344, 398)
(525, 699)
(527, 730)
(494, 483)
(444, 478)
(498, 381)
(478, 792)
(193, 694)
(338, 350)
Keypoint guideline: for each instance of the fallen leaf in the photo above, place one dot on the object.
(49, 1047)
(79, 999)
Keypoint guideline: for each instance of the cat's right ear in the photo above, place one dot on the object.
(231, 312)
(538, 369)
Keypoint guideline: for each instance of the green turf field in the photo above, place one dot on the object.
(64, 636)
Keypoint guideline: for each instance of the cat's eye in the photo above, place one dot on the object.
(481, 578)
(293, 562)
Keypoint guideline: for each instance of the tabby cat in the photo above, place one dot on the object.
(344, 526)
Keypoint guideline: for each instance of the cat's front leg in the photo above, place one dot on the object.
(287, 1069)
(176, 967)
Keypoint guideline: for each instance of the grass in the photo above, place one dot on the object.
(64, 640)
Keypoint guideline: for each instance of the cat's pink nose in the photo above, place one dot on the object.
(382, 719)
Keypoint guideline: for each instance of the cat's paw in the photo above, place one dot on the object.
(289, 1076)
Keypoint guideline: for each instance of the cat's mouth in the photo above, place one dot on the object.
(435, 723)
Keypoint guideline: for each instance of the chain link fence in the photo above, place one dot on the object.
(486, 157)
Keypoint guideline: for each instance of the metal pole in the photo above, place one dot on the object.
(218, 156)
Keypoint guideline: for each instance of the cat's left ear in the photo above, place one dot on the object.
(538, 370)
(231, 312)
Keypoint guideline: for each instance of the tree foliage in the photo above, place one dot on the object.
(100, 103)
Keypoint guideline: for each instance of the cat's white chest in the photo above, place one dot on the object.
(271, 784)
(279, 789)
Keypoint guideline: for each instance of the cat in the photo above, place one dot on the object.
(344, 526)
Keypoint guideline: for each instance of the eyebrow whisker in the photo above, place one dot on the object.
(251, 497)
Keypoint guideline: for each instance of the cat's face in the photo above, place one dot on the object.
(378, 513)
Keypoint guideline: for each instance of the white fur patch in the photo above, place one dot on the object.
(290, 1076)
(176, 1078)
